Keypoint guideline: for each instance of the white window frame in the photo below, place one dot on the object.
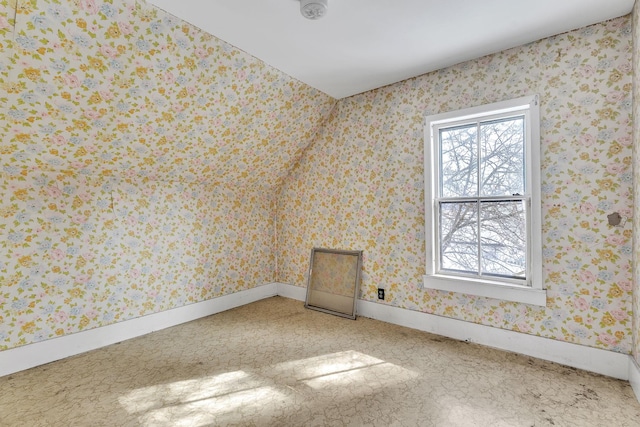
(529, 291)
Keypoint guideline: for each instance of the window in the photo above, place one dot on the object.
(482, 200)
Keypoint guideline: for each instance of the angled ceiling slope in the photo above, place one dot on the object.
(123, 89)
(364, 44)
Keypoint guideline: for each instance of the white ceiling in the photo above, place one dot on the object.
(364, 44)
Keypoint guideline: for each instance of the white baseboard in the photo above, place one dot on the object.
(31, 355)
(588, 358)
(292, 292)
(591, 359)
(634, 377)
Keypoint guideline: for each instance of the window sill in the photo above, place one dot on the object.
(486, 288)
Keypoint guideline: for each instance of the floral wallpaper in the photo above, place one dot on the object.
(121, 88)
(144, 165)
(636, 182)
(360, 186)
(138, 163)
(79, 253)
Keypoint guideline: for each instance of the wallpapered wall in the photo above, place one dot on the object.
(120, 87)
(636, 182)
(140, 157)
(139, 160)
(360, 185)
(78, 253)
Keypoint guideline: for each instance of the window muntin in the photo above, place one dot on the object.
(479, 232)
(483, 201)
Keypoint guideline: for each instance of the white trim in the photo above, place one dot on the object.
(500, 107)
(588, 358)
(534, 185)
(634, 377)
(31, 355)
(534, 292)
(293, 292)
(501, 291)
(582, 357)
(591, 359)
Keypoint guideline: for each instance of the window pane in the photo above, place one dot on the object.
(459, 160)
(502, 157)
(459, 237)
(503, 238)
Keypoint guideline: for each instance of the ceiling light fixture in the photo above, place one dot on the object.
(314, 9)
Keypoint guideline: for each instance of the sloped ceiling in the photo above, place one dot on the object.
(123, 88)
(364, 44)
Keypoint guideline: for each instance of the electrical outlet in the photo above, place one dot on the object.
(380, 293)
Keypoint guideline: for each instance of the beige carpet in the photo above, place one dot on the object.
(274, 363)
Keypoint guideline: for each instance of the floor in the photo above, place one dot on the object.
(275, 363)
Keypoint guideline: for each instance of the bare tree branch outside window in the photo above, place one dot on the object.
(482, 214)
